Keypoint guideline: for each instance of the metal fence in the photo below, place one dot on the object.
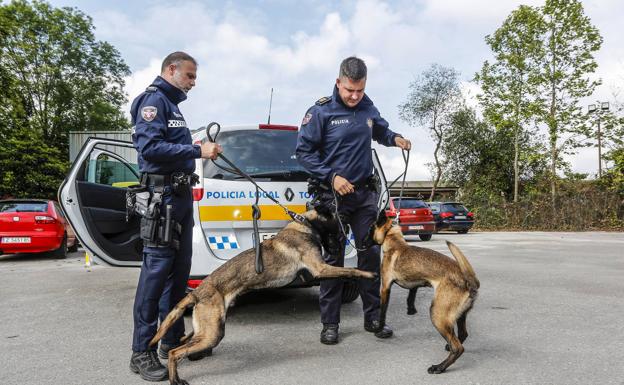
(78, 138)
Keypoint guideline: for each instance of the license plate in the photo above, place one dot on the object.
(417, 227)
(15, 239)
(460, 217)
(265, 236)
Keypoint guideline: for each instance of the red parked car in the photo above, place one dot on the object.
(33, 226)
(415, 217)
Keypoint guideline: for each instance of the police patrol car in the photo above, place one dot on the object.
(93, 197)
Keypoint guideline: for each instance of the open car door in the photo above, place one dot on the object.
(384, 194)
(93, 198)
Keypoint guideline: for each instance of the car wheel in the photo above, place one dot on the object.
(350, 292)
(73, 248)
(462, 231)
(61, 252)
(425, 237)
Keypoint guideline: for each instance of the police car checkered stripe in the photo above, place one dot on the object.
(226, 242)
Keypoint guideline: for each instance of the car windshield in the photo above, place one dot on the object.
(410, 203)
(23, 207)
(454, 207)
(266, 154)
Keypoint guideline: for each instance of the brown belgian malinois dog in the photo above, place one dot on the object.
(295, 248)
(454, 282)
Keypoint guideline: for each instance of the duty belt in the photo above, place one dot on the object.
(368, 183)
(176, 178)
(155, 179)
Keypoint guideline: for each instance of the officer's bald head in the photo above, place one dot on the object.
(176, 58)
(352, 68)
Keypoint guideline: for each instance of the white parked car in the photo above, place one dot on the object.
(93, 198)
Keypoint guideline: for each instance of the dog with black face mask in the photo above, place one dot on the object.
(454, 281)
(297, 247)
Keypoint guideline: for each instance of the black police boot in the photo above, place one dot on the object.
(373, 327)
(163, 352)
(148, 366)
(329, 335)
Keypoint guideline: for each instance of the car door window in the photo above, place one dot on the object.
(109, 170)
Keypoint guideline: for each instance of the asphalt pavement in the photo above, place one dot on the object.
(550, 311)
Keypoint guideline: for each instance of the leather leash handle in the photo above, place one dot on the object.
(257, 243)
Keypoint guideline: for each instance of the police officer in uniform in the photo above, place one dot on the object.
(166, 158)
(334, 145)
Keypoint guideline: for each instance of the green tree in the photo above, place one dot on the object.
(509, 83)
(570, 43)
(606, 130)
(30, 167)
(55, 77)
(614, 175)
(62, 78)
(431, 102)
(479, 157)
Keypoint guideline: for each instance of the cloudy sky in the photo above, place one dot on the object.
(245, 48)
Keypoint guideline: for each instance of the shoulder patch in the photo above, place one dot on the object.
(151, 89)
(323, 100)
(306, 119)
(148, 113)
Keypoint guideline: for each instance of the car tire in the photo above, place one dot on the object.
(462, 231)
(425, 237)
(350, 292)
(73, 248)
(61, 252)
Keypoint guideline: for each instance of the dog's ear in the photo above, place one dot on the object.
(323, 210)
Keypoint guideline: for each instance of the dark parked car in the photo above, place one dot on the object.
(415, 217)
(452, 216)
(34, 226)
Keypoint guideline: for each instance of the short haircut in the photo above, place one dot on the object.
(353, 68)
(176, 58)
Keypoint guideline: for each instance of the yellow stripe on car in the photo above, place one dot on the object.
(244, 213)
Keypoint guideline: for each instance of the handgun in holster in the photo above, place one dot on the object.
(156, 230)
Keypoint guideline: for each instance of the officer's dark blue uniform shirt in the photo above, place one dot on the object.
(336, 139)
(161, 136)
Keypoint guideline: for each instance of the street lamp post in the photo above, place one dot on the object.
(593, 109)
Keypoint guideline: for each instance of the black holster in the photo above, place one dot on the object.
(158, 228)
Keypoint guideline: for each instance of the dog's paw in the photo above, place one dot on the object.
(180, 382)
(411, 310)
(435, 369)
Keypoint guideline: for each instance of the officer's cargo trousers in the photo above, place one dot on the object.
(360, 211)
(163, 278)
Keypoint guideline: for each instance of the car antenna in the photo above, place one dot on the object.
(270, 103)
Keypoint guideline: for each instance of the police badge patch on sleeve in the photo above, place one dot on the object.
(148, 113)
(306, 119)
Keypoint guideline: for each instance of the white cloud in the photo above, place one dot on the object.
(472, 12)
(240, 58)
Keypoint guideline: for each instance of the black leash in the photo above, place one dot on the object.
(256, 212)
(403, 174)
(406, 160)
(385, 191)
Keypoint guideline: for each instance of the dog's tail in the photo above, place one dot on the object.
(465, 267)
(173, 316)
